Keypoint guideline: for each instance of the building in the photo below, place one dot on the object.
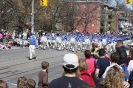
(89, 15)
(107, 18)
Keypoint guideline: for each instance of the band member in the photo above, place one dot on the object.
(32, 47)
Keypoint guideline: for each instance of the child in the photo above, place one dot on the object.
(43, 76)
(3, 84)
(31, 83)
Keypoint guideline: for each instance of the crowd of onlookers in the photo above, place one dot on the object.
(18, 39)
(96, 70)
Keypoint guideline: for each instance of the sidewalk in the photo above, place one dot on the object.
(14, 47)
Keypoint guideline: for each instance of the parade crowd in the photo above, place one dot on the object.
(95, 70)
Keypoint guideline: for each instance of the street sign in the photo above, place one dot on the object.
(43, 2)
(129, 1)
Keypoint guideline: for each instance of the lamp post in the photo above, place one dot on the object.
(32, 18)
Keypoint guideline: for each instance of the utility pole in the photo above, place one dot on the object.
(32, 18)
(106, 18)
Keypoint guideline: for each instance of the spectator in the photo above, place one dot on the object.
(7, 36)
(84, 73)
(22, 82)
(130, 59)
(24, 35)
(2, 46)
(69, 80)
(1, 37)
(20, 42)
(77, 72)
(122, 52)
(130, 66)
(90, 62)
(13, 34)
(3, 84)
(130, 54)
(102, 64)
(114, 59)
(106, 56)
(131, 79)
(77, 54)
(94, 47)
(114, 79)
(31, 83)
(43, 76)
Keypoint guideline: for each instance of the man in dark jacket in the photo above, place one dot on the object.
(120, 48)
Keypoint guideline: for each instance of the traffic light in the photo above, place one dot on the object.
(43, 2)
(129, 1)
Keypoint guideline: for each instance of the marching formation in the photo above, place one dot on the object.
(81, 42)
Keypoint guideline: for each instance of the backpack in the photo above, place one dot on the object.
(125, 71)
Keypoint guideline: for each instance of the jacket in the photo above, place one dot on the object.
(87, 78)
(123, 55)
(91, 65)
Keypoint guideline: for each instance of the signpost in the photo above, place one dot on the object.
(129, 1)
(43, 2)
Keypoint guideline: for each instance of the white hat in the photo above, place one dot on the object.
(130, 44)
(70, 59)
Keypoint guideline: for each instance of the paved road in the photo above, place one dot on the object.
(15, 63)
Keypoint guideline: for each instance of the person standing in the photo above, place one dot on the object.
(69, 80)
(101, 64)
(91, 63)
(32, 47)
(121, 50)
(1, 37)
(43, 76)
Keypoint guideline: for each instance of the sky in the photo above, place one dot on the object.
(113, 3)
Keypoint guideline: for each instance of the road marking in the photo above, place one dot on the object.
(12, 83)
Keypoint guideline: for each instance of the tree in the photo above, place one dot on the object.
(7, 13)
(80, 13)
(48, 16)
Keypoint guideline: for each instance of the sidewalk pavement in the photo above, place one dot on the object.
(14, 47)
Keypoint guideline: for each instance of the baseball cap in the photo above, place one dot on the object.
(70, 59)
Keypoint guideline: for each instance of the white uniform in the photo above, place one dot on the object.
(72, 40)
(104, 42)
(43, 39)
(58, 40)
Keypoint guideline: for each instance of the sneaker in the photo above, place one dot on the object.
(30, 59)
(34, 58)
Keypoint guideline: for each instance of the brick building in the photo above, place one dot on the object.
(88, 16)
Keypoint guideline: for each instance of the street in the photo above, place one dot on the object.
(15, 63)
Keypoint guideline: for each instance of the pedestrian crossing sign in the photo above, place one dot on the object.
(129, 1)
(43, 2)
